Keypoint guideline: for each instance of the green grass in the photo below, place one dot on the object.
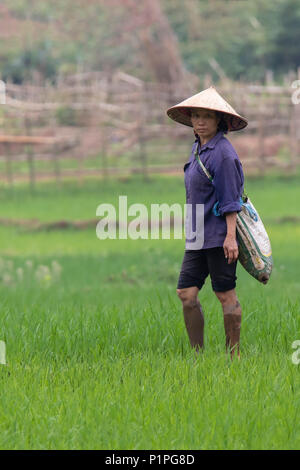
(98, 356)
(117, 158)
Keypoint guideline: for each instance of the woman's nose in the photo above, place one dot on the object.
(199, 120)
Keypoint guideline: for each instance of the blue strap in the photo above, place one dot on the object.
(251, 211)
(216, 210)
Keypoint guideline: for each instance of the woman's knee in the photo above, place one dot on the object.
(188, 296)
(227, 297)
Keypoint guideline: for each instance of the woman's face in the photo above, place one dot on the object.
(205, 122)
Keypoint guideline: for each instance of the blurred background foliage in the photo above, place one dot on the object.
(244, 38)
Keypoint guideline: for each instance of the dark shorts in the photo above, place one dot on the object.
(198, 264)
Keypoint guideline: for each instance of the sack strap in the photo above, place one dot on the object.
(196, 153)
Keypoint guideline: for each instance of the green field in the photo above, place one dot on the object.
(96, 348)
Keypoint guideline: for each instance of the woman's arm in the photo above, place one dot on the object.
(230, 245)
(231, 224)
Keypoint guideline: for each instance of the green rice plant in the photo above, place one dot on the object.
(99, 358)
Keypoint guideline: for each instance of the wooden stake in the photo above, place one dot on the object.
(9, 172)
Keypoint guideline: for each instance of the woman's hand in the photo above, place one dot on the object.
(231, 249)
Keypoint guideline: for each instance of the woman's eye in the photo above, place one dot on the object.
(206, 116)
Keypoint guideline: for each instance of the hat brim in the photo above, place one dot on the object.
(181, 114)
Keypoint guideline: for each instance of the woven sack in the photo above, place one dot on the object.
(255, 253)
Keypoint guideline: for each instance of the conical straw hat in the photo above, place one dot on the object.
(208, 99)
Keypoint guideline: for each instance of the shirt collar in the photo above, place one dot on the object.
(212, 142)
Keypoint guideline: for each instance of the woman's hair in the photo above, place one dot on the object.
(222, 126)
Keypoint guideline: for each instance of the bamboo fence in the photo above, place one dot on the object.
(127, 117)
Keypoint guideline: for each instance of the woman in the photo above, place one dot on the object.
(211, 117)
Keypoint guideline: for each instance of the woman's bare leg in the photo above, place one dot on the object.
(193, 316)
(232, 320)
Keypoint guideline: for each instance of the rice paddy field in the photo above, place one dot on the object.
(96, 352)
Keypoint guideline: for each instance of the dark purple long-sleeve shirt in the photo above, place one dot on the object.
(222, 162)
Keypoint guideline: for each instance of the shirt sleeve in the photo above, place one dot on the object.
(228, 182)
